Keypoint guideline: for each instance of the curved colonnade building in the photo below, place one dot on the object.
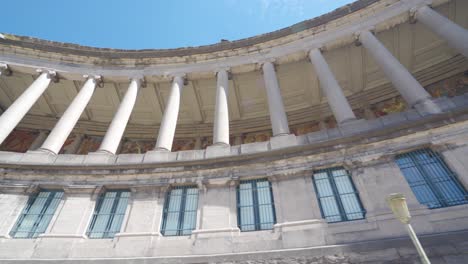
(280, 148)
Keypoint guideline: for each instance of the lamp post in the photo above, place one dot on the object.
(397, 203)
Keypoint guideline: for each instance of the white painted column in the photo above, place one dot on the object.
(13, 115)
(116, 129)
(455, 35)
(221, 116)
(413, 93)
(279, 121)
(67, 122)
(171, 113)
(330, 87)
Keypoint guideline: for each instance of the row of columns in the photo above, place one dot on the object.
(410, 89)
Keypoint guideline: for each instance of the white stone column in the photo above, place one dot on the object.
(330, 87)
(67, 122)
(13, 115)
(116, 129)
(171, 113)
(413, 93)
(221, 116)
(279, 121)
(455, 35)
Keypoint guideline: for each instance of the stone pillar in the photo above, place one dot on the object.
(171, 113)
(13, 115)
(455, 35)
(279, 121)
(38, 140)
(116, 129)
(413, 93)
(221, 117)
(67, 122)
(330, 87)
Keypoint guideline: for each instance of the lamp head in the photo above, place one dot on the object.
(397, 203)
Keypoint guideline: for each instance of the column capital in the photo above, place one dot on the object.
(51, 74)
(182, 76)
(226, 69)
(4, 69)
(97, 79)
(140, 79)
(272, 61)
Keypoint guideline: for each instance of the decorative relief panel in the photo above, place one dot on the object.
(393, 105)
(257, 137)
(19, 141)
(89, 144)
(305, 128)
(186, 144)
(69, 144)
(453, 86)
(137, 146)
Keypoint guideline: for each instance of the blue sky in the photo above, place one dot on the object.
(140, 24)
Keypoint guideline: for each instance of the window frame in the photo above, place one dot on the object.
(255, 205)
(337, 196)
(182, 210)
(424, 172)
(25, 212)
(107, 234)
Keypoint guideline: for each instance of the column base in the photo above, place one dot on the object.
(218, 150)
(44, 150)
(160, 155)
(283, 141)
(427, 107)
(355, 126)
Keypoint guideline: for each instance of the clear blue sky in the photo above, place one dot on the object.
(140, 24)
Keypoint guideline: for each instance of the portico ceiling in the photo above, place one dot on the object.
(423, 53)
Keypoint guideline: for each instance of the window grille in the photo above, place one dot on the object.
(37, 214)
(432, 182)
(108, 214)
(180, 211)
(338, 198)
(255, 205)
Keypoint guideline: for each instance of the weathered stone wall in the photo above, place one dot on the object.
(300, 235)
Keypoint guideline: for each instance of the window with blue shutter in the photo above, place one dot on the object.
(255, 205)
(36, 216)
(108, 214)
(338, 198)
(431, 180)
(180, 211)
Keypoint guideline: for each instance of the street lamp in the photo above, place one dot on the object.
(397, 203)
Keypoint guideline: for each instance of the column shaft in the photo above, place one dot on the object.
(171, 113)
(67, 122)
(116, 129)
(221, 116)
(401, 78)
(13, 115)
(455, 35)
(279, 121)
(330, 87)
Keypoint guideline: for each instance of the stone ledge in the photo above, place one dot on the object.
(357, 127)
(138, 234)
